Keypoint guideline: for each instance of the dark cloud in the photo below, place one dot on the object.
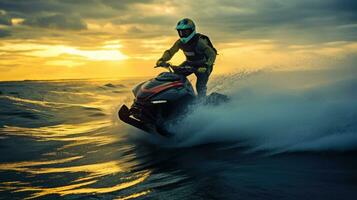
(294, 21)
(24, 7)
(5, 19)
(4, 33)
(147, 20)
(58, 21)
(83, 8)
(124, 4)
(311, 20)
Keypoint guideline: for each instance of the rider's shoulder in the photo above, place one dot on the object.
(177, 42)
(202, 43)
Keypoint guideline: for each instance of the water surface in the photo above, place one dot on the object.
(63, 139)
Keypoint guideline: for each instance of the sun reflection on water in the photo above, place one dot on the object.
(89, 174)
(80, 188)
(80, 153)
(88, 180)
(74, 134)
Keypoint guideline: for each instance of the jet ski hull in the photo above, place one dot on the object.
(125, 114)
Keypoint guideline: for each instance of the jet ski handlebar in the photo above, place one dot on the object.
(177, 69)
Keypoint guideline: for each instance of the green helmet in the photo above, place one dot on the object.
(186, 29)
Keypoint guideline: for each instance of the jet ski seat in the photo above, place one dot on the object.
(167, 76)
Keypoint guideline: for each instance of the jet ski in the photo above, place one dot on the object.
(162, 99)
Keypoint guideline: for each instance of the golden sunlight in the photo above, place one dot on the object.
(17, 21)
(107, 52)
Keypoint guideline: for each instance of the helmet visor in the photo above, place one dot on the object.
(183, 33)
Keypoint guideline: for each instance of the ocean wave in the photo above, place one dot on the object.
(46, 103)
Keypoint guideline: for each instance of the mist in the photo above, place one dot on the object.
(278, 111)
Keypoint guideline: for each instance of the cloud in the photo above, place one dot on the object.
(5, 19)
(84, 8)
(4, 33)
(295, 21)
(58, 21)
(145, 28)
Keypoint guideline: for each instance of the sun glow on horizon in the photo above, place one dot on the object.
(100, 39)
(107, 52)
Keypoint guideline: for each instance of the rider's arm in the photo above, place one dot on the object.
(168, 54)
(209, 53)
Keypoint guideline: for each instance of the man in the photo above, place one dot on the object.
(198, 50)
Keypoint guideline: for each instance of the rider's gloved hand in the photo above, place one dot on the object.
(160, 63)
(202, 70)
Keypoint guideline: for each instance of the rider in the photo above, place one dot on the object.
(198, 50)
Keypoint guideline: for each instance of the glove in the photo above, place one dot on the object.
(160, 63)
(202, 70)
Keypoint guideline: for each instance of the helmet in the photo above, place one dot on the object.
(186, 29)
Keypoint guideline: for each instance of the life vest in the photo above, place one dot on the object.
(190, 48)
(205, 37)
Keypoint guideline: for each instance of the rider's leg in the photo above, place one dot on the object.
(201, 84)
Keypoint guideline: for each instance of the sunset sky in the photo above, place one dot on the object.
(56, 39)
